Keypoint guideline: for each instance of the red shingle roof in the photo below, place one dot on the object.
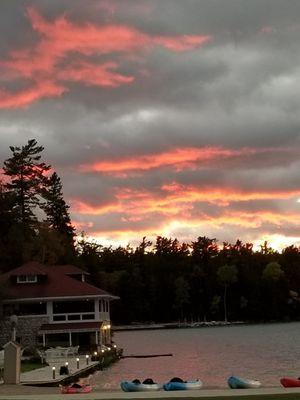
(70, 269)
(30, 268)
(53, 283)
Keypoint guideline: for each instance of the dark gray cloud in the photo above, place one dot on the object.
(240, 90)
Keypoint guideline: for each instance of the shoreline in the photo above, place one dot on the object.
(175, 325)
(191, 325)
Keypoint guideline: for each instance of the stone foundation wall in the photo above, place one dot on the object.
(26, 330)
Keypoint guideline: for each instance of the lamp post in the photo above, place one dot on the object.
(77, 363)
(13, 321)
(53, 372)
(87, 359)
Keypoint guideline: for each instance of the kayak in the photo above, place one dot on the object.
(290, 382)
(128, 386)
(188, 385)
(234, 382)
(73, 390)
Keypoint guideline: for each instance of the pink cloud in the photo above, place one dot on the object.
(178, 158)
(94, 75)
(25, 97)
(59, 39)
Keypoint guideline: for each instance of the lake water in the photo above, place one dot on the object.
(263, 352)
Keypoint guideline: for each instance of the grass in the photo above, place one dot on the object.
(29, 366)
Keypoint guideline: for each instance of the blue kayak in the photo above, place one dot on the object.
(235, 382)
(128, 386)
(188, 385)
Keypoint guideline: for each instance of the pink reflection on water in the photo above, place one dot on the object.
(263, 352)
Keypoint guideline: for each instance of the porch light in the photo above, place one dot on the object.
(66, 363)
(87, 359)
(102, 350)
(114, 346)
(108, 348)
(95, 353)
(53, 372)
(77, 361)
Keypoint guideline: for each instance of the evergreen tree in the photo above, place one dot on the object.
(8, 223)
(56, 208)
(26, 175)
(58, 218)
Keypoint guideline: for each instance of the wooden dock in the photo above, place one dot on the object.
(45, 376)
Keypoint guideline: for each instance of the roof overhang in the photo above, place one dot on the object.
(83, 297)
(70, 327)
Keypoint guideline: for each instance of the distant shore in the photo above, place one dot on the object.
(174, 325)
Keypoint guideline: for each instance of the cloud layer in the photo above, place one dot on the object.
(162, 118)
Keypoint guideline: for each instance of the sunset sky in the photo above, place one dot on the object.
(163, 117)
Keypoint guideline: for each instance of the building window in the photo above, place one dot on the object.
(74, 317)
(59, 317)
(26, 278)
(88, 316)
(103, 306)
(66, 307)
(20, 309)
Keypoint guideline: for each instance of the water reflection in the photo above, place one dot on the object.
(264, 352)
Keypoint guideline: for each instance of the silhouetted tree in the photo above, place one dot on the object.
(58, 217)
(26, 175)
(227, 276)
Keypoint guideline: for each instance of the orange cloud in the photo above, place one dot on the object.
(97, 75)
(176, 200)
(223, 196)
(81, 207)
(179, 158)
(171, 213)
(61, 38)
(25, 97)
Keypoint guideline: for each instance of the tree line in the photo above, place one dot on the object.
(158, 281)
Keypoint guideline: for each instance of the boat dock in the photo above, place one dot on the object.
(49, 375)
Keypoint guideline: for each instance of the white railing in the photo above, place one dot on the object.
(73, 317)
(58, 352)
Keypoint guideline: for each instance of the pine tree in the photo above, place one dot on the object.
(26, 178)
(58, 218)
(8, 222)
(56, 208)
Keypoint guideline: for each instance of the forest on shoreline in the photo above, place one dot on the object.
(160, 281)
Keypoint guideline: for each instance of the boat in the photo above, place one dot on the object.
(179, 384)
(290, 382)
(235, 382)
(136, 386)
(72, 389)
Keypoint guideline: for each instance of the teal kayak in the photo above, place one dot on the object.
(188, 385)
(128, 386)
(235, 382)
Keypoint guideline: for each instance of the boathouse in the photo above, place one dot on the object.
(54, 306)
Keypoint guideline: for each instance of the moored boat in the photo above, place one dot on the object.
(76, 389)
(136, 386)
(290, 382)
(183, 385)
(235, 382)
